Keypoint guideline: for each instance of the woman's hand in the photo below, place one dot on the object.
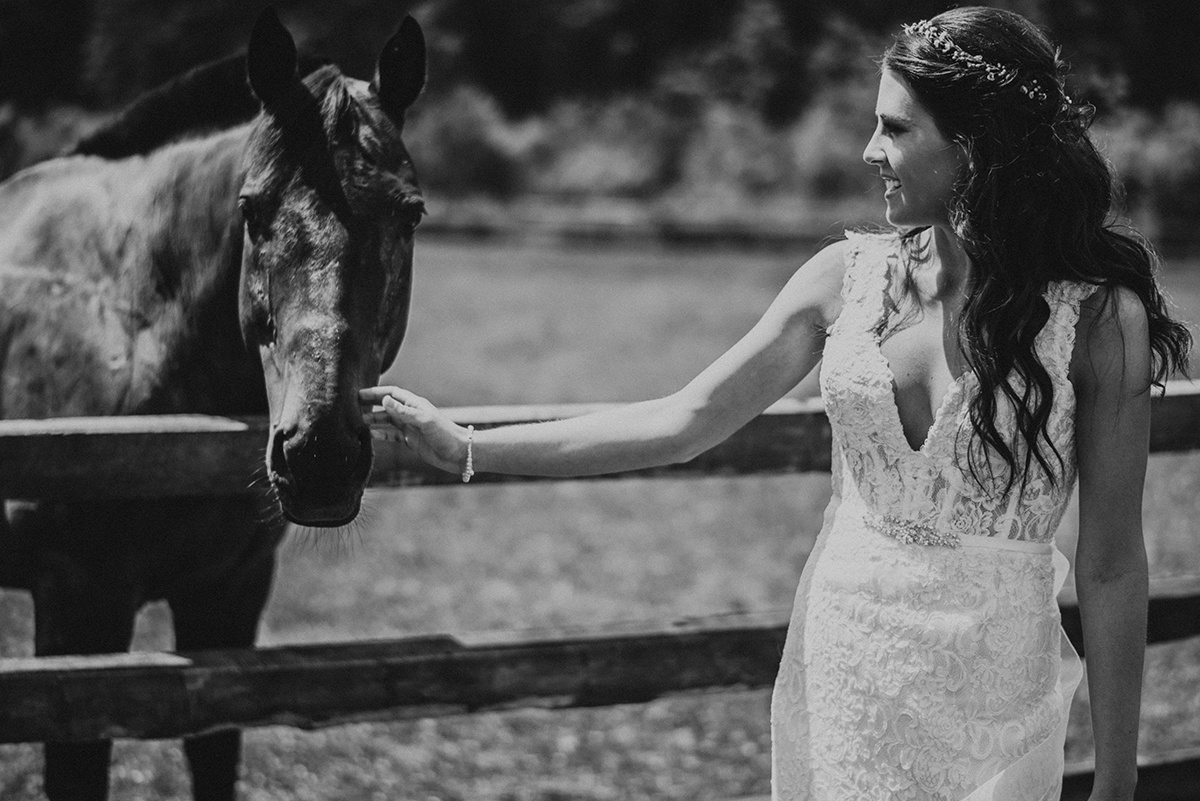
(418, 424)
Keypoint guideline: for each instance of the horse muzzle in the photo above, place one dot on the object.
(319, 474)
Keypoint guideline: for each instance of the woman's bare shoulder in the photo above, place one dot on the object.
(831, 273)
(1113, 337)
(817, 286)
(1110, 317)
(831, 260)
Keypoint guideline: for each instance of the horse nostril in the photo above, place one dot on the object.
(277, 459)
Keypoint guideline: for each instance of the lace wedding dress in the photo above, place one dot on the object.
(925, 657)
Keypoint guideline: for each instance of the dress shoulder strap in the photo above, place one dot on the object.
(1071, 293)
(869, 258)
(1064, 299)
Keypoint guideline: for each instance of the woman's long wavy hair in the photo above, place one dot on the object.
(1033, 206)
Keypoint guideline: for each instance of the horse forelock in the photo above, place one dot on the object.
(294, 135)
(333, 128)
(377, 170)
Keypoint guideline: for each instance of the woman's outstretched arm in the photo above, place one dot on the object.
(1111, 372)
(780, 350)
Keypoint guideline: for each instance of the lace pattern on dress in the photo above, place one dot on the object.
(913, 674)
(928, 494)
(916, 673)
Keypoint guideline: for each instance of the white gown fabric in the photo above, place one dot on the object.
(925, 657)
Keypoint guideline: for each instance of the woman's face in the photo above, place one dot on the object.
(918, 165)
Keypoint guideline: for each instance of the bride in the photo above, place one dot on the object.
(998, 344)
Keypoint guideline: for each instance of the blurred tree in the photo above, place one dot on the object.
(105, 52)
(1142, 53)
(41, 49)
(528, 53)
(757, 65)
(644, 93)
(461, 145)
(137, 44)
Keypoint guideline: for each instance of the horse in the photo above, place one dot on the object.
(261, 267)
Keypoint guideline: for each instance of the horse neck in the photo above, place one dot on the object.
(192, 264)
(192, 187)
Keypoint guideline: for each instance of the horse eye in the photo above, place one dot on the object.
(264, 325)
(250, 215)
(410, 215)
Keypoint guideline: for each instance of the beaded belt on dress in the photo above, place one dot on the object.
(910, 531)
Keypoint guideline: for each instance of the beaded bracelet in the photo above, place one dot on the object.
(469, 467)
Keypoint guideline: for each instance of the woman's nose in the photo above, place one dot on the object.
(873, 153)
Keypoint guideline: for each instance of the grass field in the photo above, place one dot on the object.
(498, 324)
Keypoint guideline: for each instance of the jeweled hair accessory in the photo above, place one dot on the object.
(1003, 73)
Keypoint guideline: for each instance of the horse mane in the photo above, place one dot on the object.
(335, 102)
(210, 97)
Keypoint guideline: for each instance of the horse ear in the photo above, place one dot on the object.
(271, 59)
(400, 73)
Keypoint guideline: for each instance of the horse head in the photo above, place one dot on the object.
(330, 203)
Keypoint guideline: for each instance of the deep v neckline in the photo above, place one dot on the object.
(950, 393)
(952, 390)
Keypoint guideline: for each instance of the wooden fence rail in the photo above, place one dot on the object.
(194, 455)
(167, 695)
(154, 695)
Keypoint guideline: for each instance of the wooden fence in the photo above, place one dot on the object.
(154, 695)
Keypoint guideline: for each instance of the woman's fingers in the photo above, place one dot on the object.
(401, 413)
(376, 395)
(402, 416)
(404, 413)
(398, 404)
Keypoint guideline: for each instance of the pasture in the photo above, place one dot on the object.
(502, 324)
